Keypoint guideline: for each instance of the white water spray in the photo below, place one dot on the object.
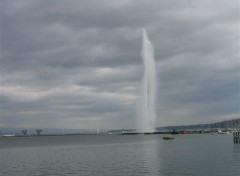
(147, 116)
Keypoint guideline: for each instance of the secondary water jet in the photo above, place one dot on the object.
(147, 116)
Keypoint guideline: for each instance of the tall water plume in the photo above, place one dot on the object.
(147, 116)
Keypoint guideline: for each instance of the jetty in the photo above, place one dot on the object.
(236, 137)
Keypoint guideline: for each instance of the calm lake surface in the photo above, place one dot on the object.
(115, 155)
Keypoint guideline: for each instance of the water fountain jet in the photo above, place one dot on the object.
(147, 116)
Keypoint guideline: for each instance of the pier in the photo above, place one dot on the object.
(236, 137)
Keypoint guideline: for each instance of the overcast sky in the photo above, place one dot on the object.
(77, 63)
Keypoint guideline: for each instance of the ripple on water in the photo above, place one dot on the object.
(122, 155)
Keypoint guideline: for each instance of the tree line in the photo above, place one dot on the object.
(24, 131)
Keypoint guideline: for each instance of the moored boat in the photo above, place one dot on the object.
(168, 137)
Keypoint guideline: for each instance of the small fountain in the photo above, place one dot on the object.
(147, 116)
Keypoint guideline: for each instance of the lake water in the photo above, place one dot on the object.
(120, 155)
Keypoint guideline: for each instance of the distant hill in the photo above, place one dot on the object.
(48, 131)
(234, 123)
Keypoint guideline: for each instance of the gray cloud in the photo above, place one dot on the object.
(77, 64)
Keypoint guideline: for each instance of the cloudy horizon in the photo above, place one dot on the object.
(77, 63)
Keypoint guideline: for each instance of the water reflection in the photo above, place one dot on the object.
(236, 148)
(151, 157)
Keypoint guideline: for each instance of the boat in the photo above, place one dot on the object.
(168, 137)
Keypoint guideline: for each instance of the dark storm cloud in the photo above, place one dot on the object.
(77, 63)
